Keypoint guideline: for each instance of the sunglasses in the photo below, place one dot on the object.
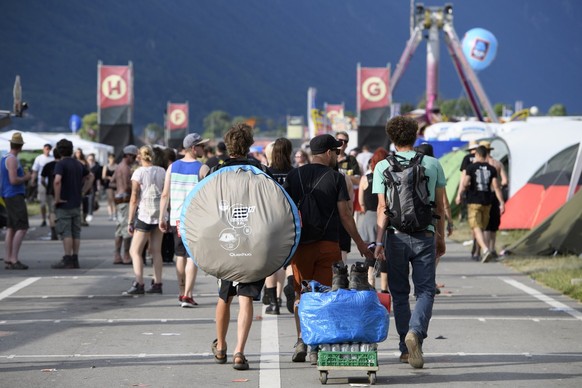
(337, 151)
(343, 141)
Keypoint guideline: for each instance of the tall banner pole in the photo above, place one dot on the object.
(99, 64)
(131, 101)
(358, 91)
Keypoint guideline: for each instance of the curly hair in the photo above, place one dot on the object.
(239, 139)
(402, 130)
(281, 155)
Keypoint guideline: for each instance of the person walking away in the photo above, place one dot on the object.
(147, 184)
(93, 197)
(481, 184)
(71, 183)
(278, 156)
(39, 162)
(48, 179)
(181, 177)
(13, 179)
(405, 249)
(122, 179)
(313, 260)
(109, 185)
(367, 226)
(490, 232)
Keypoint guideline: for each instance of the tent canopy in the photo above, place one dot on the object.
(561, 233)
(32, 141)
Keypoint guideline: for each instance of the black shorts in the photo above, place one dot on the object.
(227, 289)
(16, 212)
(143, 227)
(494, 216)
(179, 248)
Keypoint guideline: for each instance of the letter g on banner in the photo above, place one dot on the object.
(374, 89)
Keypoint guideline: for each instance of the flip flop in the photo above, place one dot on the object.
(244, 365)
(219, 355)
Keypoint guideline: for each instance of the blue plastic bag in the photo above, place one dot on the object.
(342, 316)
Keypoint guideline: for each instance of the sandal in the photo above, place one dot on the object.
(219, 355)
(17, 265)
(244, 365)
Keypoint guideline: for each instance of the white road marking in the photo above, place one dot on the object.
(544, 298)
(270, 373)
(17, 287)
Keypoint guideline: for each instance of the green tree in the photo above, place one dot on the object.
(498, 109)
(557, 110)
(90, 128)
(216, 124)
(153, 133)
(406, 107)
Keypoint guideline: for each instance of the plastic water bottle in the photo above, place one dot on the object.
(325, 347)
(335, 347)
(355, 347)
(365, 347)
(345, 347)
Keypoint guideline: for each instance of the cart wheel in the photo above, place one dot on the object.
(372, 378)
(323, 377)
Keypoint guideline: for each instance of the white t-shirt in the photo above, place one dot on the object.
(151, 182)
(39, 162)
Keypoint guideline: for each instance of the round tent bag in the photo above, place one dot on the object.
(238, 224)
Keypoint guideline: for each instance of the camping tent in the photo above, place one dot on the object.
(545, 165)
(561, 233)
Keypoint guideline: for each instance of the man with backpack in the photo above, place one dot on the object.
(409, 185)
(322, 198)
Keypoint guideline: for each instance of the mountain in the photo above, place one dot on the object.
(257, 58)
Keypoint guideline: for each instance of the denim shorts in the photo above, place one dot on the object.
(143, 227)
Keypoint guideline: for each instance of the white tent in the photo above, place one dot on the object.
(89, 147)
(532, 145)
(32, 141)
(468, 130)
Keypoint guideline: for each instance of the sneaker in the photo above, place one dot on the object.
(135, 289)
(156, 288)
(75, 261)
(300, 351)
(404, 358)
(414, 350)
(486, 257)
(180, 297)
(188, 302)
(289, 292)
(18, 265)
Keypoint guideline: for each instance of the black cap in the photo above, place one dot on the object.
(322, 143)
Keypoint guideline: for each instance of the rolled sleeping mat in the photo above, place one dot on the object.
(239, 224)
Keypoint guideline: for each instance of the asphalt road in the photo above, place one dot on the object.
(68, 328)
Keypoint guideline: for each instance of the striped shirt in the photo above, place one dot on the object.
(183, 178)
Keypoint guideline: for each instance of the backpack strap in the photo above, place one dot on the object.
(317, 183)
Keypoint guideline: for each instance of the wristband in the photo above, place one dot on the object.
(379, 244)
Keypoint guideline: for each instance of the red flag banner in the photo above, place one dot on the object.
(177, 115)
(115, 86)
(374, 88)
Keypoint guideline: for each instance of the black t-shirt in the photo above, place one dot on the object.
(349, 165)
(72, 173)
(216, 160)
(479, 190)
(467, 160)
(48, 172)
(279, 175)
(370, 199)
(330, 190)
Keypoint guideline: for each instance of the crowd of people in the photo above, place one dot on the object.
(146, 189)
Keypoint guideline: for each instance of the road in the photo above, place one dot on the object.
(68, 328)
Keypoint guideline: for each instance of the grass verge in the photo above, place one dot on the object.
(555, 272)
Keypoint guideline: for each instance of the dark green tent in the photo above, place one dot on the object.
(561, 233)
